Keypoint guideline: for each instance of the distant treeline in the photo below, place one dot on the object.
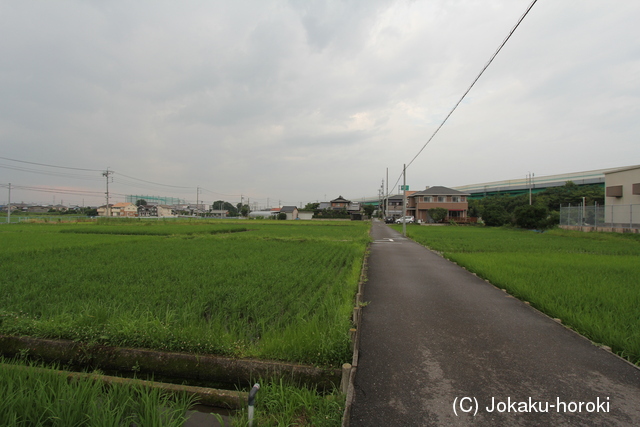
(544, 211)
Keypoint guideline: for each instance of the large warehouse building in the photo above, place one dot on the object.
(514, 187)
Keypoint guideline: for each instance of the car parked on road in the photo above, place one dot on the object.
(389, 220)
(406, 219)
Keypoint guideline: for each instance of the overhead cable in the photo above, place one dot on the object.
(504, 42)
(51, 173)
(151, 182)
(51, 166)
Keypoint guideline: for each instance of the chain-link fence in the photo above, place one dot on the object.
(614, 216)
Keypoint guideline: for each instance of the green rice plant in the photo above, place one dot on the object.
(589, 280)
(279, 293)
(33, 396)
(154, 229)
(280, 403)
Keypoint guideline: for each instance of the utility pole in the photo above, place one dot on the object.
(404, 200)
(9, 206)
(197, 200)
(386, 205)
(106, 175)
(530, 182)
(381, 199)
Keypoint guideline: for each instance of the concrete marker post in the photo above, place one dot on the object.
(346, 374)
(352, 338)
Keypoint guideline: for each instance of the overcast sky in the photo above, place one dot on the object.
(300, 101)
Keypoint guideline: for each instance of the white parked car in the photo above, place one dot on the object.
(406, 219)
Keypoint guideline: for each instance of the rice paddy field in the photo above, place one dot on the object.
(32, 396)
(261, 289)
(589, 280)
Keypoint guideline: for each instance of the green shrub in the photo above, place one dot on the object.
(438, 214)
(495, 216)
(531, 216)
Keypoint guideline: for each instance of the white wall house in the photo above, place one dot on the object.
(622, 197)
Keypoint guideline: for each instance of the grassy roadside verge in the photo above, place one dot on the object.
(589, 280)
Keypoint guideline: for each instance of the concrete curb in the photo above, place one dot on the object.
(347, 385)
(227, 399)
(176, 365)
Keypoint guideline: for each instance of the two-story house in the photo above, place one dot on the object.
(340, 203)
(147, 211)
(124, 209)
(454, 201)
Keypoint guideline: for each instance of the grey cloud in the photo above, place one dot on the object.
(183, 89)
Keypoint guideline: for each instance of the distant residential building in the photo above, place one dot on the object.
(102, 210)
(200, 207)
(219, 213)
(454, 201)
(622, 197)
(395, 205)
(38, 209)
(59, 208)
(340, 203)
(124, 209)
(18, 207)
(166, 211)
(290, 211)
(148, 211)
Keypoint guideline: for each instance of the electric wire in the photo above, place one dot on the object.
(222, 194)
(504, 42)
(51, 173)
(53, 190)
(51, 166)
(151, 182)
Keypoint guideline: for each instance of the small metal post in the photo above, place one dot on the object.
(252, 398)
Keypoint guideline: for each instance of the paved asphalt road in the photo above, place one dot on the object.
(441, 347)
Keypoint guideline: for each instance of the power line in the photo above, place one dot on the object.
(504, 42)
(54, 190)
(151, 182)
(50, 173)
(476, 79)
(50, 166)
(222, 194)
(120, 178)
(130, 183)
